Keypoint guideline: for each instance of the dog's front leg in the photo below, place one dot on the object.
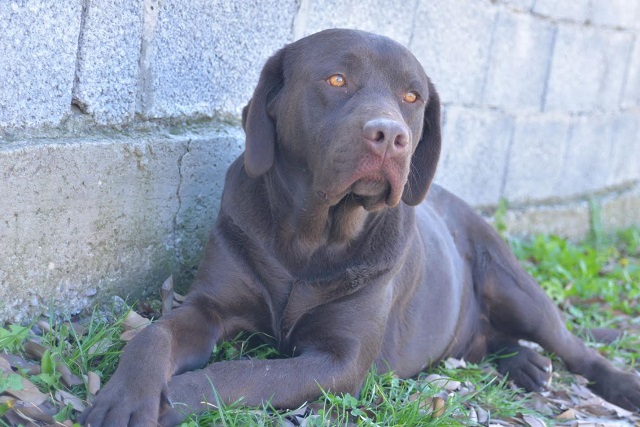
(280, 383)
(334, 348)
(138, 390)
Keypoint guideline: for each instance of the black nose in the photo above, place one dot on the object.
(386, 136)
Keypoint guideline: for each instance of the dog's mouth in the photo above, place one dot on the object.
(372, 191)
(369, 186)
(372, 184)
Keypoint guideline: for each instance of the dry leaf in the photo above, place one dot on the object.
(443, 382)
(16, 420)
(5, 366)
(533, 421)
(473, 416)
(29, 393)
(68, 398)
(128, 335)
(453, 363)
(69, 378)
(34, 350)
(44, 326)
(569, 414)
(483, 416)
(439, 406)
(18, 362)
(134, 321)
(93, 383)
(166, 294)
(33, 412)
(101, 346)
(77, 327)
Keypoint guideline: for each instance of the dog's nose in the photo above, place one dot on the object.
(386, 136)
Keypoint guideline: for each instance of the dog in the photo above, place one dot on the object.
(332, 241)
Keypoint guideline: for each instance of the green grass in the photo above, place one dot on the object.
(596, 283)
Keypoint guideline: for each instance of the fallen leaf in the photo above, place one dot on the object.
(100, 347)
(533, 421)
(439, 406)
(5, 366)
(483, 416)
(34, 350)
(69, 399)
(32, 412)
(28, 393)
(453, 363)
(68, 378)
(569, 414)
(17, 362)
(77, 328)
(93, 383)
(44, 326)
(134, 321)
(16, 420)
(166, 294)
(128, 335)
(443, 382)
(473, 416)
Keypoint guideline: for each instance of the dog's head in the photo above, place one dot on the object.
(353, 109)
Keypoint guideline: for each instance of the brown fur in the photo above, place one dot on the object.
(319, 246)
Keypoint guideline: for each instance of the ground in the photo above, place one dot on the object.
(50, 369)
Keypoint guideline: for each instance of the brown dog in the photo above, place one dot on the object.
(322, 243)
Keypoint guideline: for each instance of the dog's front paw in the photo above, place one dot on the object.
(526, 367)
(620, 388)
(119, 404)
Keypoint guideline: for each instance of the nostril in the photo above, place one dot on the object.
(379, 136)
(401, 140)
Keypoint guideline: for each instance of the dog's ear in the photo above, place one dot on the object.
(258, 125)
(425, 158)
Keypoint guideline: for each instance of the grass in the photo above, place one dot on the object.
(596, 283)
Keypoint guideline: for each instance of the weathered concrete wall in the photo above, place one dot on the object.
(118, 120)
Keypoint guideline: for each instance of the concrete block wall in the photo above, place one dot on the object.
(119, 118)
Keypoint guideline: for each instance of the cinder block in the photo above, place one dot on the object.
(622, 210)
(392, 19)
(615, 13)
(588, 156)
(588, 69)
(204, 57)
(202, 172)
(535, 159)
(631, 94)
(86, 218)
(568, 220)
(617, 48)
(39, 42)
(452, 40)
(474, 154)
(108, 53)
(625, 149)
(574, 10)
(520, 58)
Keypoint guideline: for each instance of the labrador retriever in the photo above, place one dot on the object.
(332, 241)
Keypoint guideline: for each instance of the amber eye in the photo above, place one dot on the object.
(337, 80)
(410, 97)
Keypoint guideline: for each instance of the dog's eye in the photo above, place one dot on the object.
(410, 97)
(337, 80)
